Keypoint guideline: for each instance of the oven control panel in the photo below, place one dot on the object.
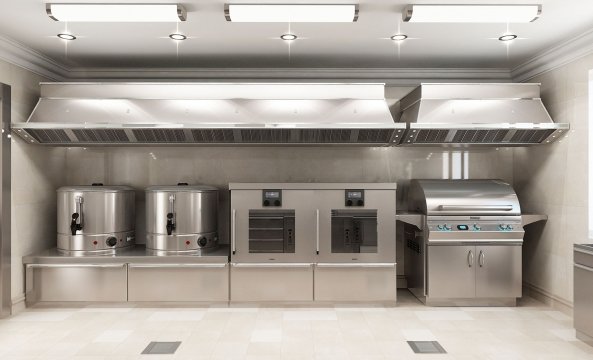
(271, 198)
(472, 226)
(354, 198)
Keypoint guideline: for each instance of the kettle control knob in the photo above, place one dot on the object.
(111, 241)
(202, 241)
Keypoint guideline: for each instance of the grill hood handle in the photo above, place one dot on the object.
(476, 207)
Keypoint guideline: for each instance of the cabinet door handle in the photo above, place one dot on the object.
(317, 231)
(233, 231)
(470, 258)
(481, 258)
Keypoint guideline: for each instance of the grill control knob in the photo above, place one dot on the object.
(510, 227)
(477, 227)
(448, 227)
(439, 227)
(202, 241)
(111, 241)
(502, 227)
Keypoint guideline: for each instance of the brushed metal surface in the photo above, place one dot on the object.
(5, 195)
(105, 211)
(499, 271)
(451, 272)
(178, 282)
(286, 283)
(70, 282)
(583, 300)
(349, 282)
(194, 215)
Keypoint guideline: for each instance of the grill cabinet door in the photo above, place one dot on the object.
(498, 271)
(451, 271)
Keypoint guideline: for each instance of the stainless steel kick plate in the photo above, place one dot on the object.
(427, 347)
(161, 348)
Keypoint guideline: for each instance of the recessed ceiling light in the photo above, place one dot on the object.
(67, 36)
(468, 13)
(507, 37)
(178, 37)
(288, 37)
(399, 37)
(291, 12)
(116, 12)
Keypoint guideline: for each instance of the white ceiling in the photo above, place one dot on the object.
(215, 42)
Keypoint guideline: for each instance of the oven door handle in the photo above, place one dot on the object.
(233, 231)
(317, 231)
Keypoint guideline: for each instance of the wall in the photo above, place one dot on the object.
(217, 166)
(553, 180)
(35, 172)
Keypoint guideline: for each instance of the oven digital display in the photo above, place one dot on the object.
(272, 194)
(462, 227)
(354, 195)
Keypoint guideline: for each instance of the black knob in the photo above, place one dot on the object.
(111, 241)
(170, 216)
(202, 241)
(97, 184)
(182, 184)
(349, 203)
(277, 202)
(360, 203)
(266, 202)
(75, 216)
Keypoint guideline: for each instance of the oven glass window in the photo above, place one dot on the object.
(354, 231)
(271, 231)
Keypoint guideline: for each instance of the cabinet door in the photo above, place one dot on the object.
(498, 271)
(451, 271)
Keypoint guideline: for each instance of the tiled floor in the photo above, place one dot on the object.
(530, 331)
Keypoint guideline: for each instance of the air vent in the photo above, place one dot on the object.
(479, 136)
(265, 136)
(431, 136)
(49, 136)
(530, 136)
(159, 135)
(334, 136)
(100, 136)
(374, 136)
(213, 136)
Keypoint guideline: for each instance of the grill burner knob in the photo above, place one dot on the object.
(111, 241)
(502, 227)
(202, 241)
(439, 227)
(509, 227)
(477, 227)
(448, 227)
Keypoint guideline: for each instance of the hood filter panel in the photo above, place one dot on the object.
(100, 136)
(531, 136)
(49, 136)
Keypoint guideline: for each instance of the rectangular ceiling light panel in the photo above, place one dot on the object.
(291, 12)
(471, 13)
(116, 12)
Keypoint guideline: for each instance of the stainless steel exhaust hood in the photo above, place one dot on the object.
(71, 114)
(477, 114)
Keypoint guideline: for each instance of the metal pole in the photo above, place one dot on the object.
(5, 290)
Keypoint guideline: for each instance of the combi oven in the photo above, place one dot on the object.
(307, 241)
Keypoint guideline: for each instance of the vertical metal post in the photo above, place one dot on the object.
(5, 289)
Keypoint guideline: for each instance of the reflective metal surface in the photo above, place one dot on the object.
(477, 114)
(5, 193)
(583, 292)
(181, 218)
(95, 218)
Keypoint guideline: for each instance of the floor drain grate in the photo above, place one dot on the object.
(161, 347)
(427, 347)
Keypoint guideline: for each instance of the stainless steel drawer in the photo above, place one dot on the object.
(583, 257)
(355, 282)
(583, 301)
(272, 282)
(76, 282)
(178, 282)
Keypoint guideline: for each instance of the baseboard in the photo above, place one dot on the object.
(547, 298)
(18, 304)
(402, 282)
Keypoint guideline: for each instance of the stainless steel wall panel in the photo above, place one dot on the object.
(272, 282)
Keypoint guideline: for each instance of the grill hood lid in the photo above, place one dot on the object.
(211, 114)
(477, 114)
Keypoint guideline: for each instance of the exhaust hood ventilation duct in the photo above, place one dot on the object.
(477, 114)
(82, 114)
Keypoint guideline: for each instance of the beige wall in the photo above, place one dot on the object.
(35, 172)
(553, 180)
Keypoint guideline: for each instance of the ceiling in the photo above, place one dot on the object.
(214, 42)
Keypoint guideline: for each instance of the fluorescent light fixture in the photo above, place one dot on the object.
(507, 37)
(67, 36)
(399, 37)
(288, 37)
(471, 13)
(291, 12)
(178, 37)
(116, 12)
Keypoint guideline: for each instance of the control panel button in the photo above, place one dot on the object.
(354, 198)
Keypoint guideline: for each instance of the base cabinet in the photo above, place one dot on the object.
(272, 282)
(76, 282)
(474, 272)
(353, 282)
(178, 282)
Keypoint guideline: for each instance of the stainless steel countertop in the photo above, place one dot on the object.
(135, 255)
